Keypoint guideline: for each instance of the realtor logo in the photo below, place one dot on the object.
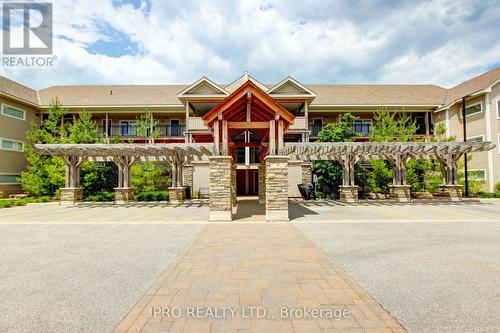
(27, 28)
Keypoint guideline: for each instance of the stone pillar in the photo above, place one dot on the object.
(124, 195)
(306, 173)
(176, 195)
(349, 193)
(262, 183)
(221, 196)
(71, 195)
(402, 193)
(233, 185)
(276, 188)
(450, 188)
(187, 175)
(454, 192)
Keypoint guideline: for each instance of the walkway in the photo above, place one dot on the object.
(241, 268)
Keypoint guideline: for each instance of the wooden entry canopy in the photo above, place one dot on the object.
(397, 153)
(248, 108)
(125, 155)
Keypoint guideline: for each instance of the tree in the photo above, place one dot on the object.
(45, 174)
(392, 126)
(150, 176)
(146, 126)
(388, 127)
(329, 173)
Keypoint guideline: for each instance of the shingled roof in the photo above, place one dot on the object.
(17, 90)
(473, 85)
(326, 94)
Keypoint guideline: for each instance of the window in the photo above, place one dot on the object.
(362, 126)
(240, 154)
(127, 127)
(473, 109)
(317, 126)
(498, 109)
(13, 112)
(8, 144)
(9, 179)
(477, 174)
(479, 138)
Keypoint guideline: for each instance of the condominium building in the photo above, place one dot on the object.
(240, 116)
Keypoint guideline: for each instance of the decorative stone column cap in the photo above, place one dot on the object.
(71, 188)
(400, 186)
(226, 158)
(123, 188)
(176, 188)
(349, 186)
(277, 158)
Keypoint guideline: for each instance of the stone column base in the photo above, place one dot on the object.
(123, 195)
(349, 193)
(220, 216)
(454, 192)
(277, 215)
(71, 195)
(176, 195)
(401, 193)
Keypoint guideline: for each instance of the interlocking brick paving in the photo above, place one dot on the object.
(255, 267)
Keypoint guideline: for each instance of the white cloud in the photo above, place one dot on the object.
(442, 42)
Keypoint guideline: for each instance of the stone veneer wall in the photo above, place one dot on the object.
(306, 173)
(233, 183)
(221, 196)
(262, 183)
(276, 188)
(187, 175)
(71, 195)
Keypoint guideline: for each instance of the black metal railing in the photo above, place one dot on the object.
(127, 130)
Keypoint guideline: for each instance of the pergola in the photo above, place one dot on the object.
(125, 155)
(347, 154)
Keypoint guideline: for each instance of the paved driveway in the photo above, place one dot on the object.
(432, 277)
(80, 278)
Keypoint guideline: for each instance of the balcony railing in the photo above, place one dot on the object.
(130, 131)
(299, 124)
(196, 124)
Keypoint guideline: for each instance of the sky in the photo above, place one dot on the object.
(165, 42)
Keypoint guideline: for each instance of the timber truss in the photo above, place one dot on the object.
(347, 154)
(125, 155)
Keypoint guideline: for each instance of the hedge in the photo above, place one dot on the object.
(152, 196)
(105, 196)
(6, 203)
(488, 194)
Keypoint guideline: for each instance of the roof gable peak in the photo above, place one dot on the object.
(203, 86)
(290, 86)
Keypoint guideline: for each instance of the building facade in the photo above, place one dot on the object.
(249, 120)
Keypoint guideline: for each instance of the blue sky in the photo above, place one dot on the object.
(154, 42)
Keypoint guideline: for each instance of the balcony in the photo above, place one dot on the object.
(130, 131)
(196, 124)
(299, 125)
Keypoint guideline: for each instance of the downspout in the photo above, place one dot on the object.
(465, 155)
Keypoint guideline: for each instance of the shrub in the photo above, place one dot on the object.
(497, 187)
(2, 195)
(150, 176)
(22, 202)
(380, 178)
(152, 196)
(104, 196)
(488, 194)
